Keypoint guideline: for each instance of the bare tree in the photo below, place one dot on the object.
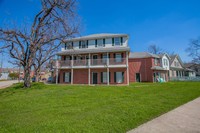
(55, 22)
(44, 54)
(194, 50)
(154, 49)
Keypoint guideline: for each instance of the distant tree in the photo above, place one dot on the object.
(194, 50)
(154, 49)
(54, 23)
(13, 75)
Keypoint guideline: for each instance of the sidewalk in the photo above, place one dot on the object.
(5, 84)
(184, 119)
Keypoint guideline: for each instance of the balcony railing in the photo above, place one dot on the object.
(90, 62)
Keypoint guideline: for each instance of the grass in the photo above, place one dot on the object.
(51, 108)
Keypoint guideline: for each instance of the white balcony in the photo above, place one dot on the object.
(91, 63)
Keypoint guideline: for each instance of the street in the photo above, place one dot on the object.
(4, 84)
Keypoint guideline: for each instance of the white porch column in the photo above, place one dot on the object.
(89, 69)
(72, 75)
(108, 83)
(57, 72)
(127, 67)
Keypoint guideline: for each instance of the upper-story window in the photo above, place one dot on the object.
(165, 62)
(100, 43)
(69, 45)
(117, 41)
(118, 57)
(83, 44)
(176, 63)
(156, 61)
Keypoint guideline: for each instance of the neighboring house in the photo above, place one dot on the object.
(176, 67)
(147, 67)
(94, 59)
(195, 68)
(4, 75)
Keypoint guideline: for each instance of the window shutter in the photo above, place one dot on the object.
(122, 55)
(72, 45)
(121, 40)
(101, 77)
(109, 77)
(122, 76)
(74, 57)
(101, 56)
(79, 44)
(70, 77)
(95, 43)
(108, 55)
(104, 42)
(87, 44)
(115, 77)
(70, 57)
(64, 77)
(65, 46)
(114, 55)
(113, 40)
(64, 57)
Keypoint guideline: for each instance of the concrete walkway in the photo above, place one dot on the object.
(4, 84)
(184, 119)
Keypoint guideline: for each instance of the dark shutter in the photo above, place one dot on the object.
(70, 57)
(72, 45)
(64, 57)
(65, 46)
(95, 43)
(115, 77)
(74, 57)
(114, 55)
(108, 55)
(122, 55)
(104, 42)
(101, 56)
(64, 77)
(122, 76)
(87, 44)
(101, 77)
(109, 77)
(79, 44)
(121, 40)
(70, 77)
(113, 41)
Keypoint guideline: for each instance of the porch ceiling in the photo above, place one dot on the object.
(95, 50)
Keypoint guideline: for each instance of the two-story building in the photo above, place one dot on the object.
(176, 67)
(94, 59)
(147, 67)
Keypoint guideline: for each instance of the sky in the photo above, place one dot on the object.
(170, 24)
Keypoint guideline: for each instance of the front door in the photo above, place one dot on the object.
(94, 78)
(137, 77)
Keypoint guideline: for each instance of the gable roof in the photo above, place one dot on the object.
(173, 58)
(142, 55)
(164, 54)
(97, 36)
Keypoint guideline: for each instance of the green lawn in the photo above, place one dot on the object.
(60, 108)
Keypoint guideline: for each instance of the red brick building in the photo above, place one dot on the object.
(94, 59)
(147, 67)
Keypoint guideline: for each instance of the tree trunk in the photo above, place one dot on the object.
(37, 74)
(27, 77)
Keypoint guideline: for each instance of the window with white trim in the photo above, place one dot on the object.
(155, 61)
(117, 41)
(100, 43)
(105, 77)
(119, 77)
(118, 57)
(104, 58)
(67, 77)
